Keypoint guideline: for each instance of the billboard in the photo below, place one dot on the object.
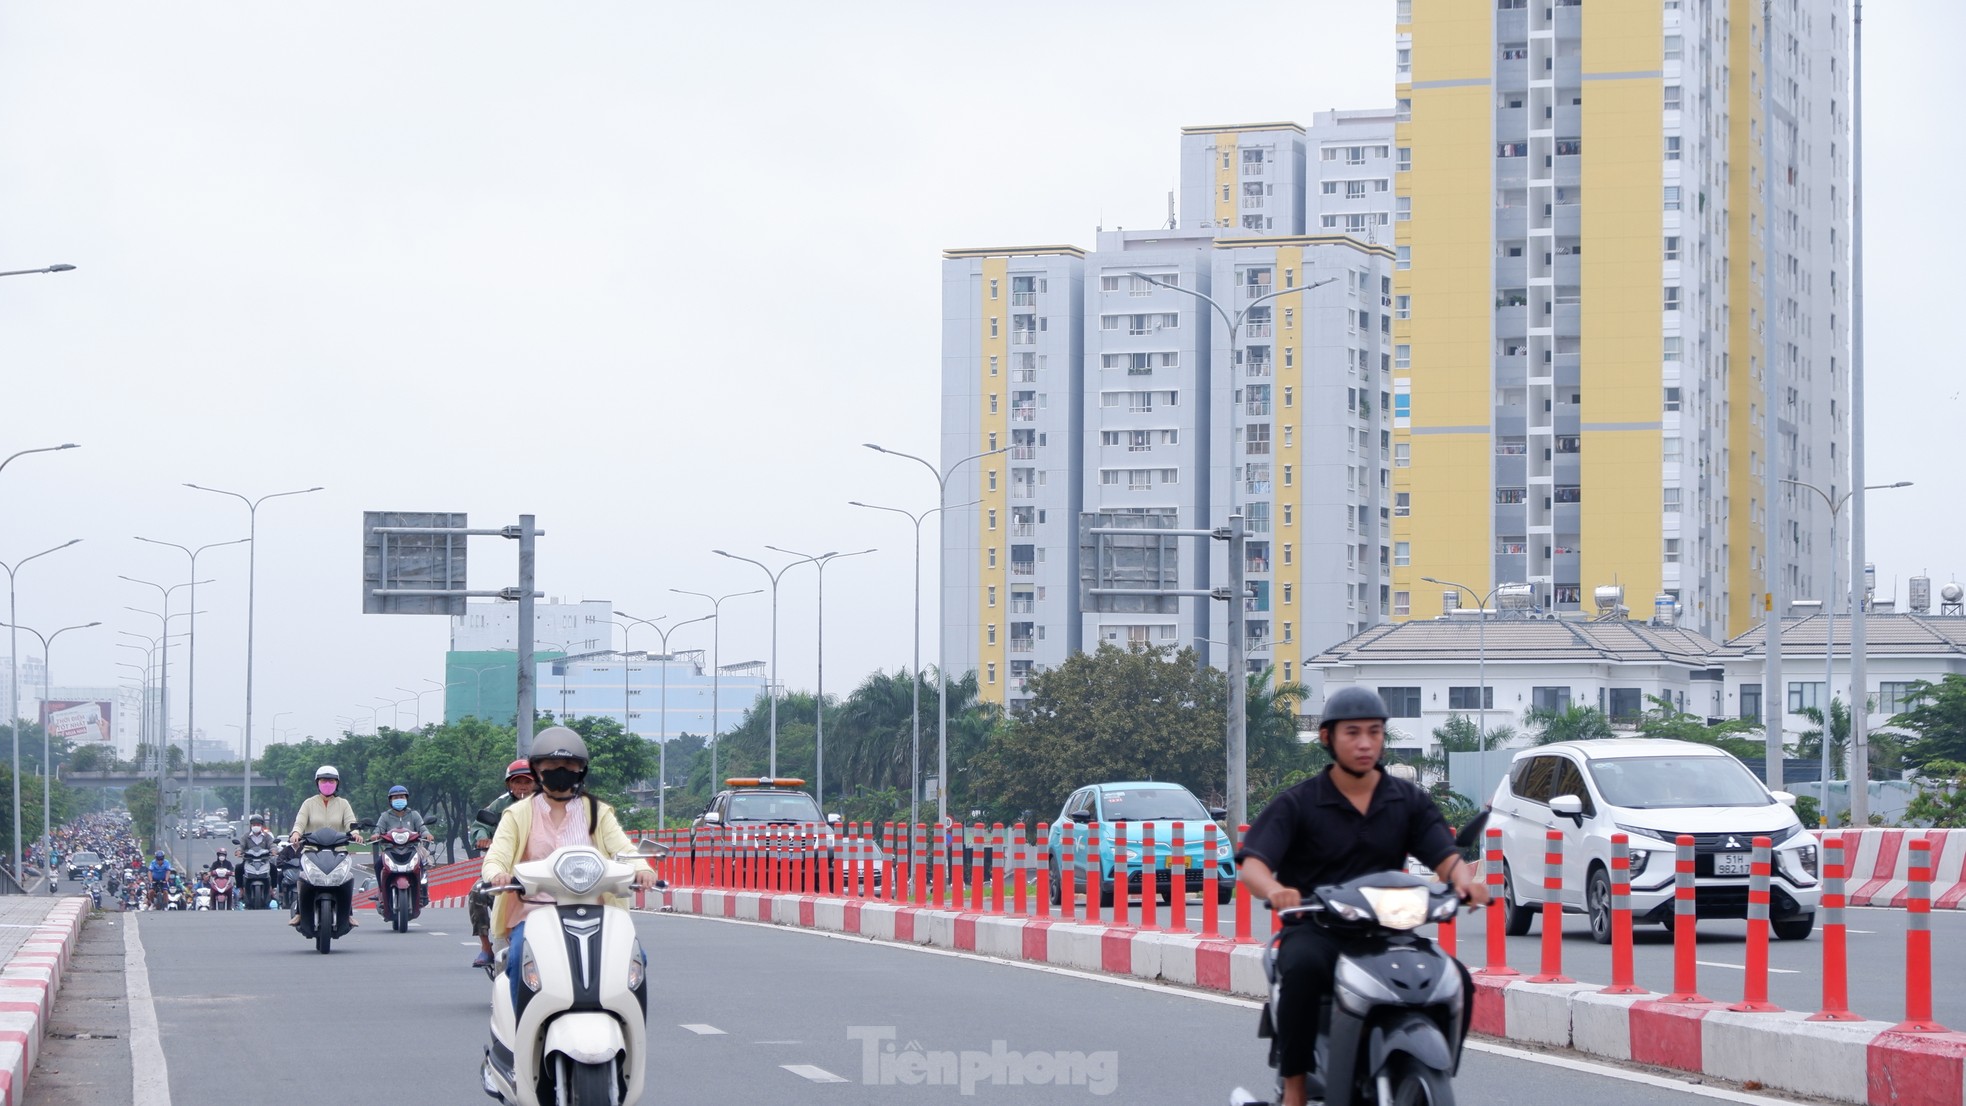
(88, 720)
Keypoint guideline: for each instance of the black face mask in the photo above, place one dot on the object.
(561, 779)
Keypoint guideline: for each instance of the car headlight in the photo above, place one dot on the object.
(1133, 856)
(579, 871)
(637, 966)
(528, 970)
(1224, 852)
(1398, 907)
(1662, 837)
(1639, 857)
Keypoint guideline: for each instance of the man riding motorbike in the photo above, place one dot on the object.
(518, 786)
(558, 815)
(330, 811)
(1350, 820)
(400, 816)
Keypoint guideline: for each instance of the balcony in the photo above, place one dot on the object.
(1023, 645)
(1256, 330)
(1257, 449)
(1256, 565)
(1256, 487)
(1257, 369)
(1023, 491)
(1023, 452)
(1023, 337)
(1024, 414)
(1251, 202)
(1257, 407)
(1253, 168)
(1254, 291)
(1023, 530)
(1023, 299)
(1023, 568)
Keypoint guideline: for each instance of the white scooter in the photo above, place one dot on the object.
(204, 897)
(577, 1035)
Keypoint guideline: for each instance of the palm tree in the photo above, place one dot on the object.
(1574, 722)
(1810, 745)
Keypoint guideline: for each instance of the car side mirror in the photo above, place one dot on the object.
(834, 819)
(1217, 813)
(1786, 798)
(1568, 806)
(711, 817)
(1080, 816)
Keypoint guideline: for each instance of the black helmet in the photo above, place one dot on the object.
(1352, 704)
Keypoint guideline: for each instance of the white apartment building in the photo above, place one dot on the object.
(1351, 174)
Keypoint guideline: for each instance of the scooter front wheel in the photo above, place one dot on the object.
(323, 924)
(1417, 1084)
(577, 1084)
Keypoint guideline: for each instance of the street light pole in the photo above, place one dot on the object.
(163, 714)
(941, 628)
(191, 675)
(1859, 678)
(1481, 670)
(771, 692)
(47, 755)
(915, 673)
(252, 577)
(819, 732)
(716, 668)
(13, 666)
(662, 725)
(1835, 506)
(42, 269)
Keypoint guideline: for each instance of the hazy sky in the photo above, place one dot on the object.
(651, 272)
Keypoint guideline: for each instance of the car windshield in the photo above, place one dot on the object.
(1647, 783)
(1152, 804)
(80, 859)
(774, 806)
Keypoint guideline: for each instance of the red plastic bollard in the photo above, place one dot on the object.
(1621, 919)
(1754, 987)
(1095, 873)
(1211, 884)
(1685, 969)
(1242, 898)
(1177, 880)
(1552, 911)
(1496, 921)
(884, 860)
(1836, 963)
(938, 858)
(1122, 876)
(918, 861)
(1041, 868)
(1020, 850)
(999, 860)
(1068, 871)
(1918, 944)
(1150, 879)
(977, 878)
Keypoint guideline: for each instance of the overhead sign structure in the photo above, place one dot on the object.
(414, 572)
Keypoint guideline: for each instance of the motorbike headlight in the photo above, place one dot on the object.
(528, 970)
(1347, 911)
(1398, 907)
(1445, 911)
(637, 967)
(579, 871)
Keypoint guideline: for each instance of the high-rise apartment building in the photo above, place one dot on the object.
(1351, 174)
(1580, 322)
(1125, 400)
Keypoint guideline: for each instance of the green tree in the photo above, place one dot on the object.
(1665, 720)
(1935, 720)
(1941, 798)
(1574, 722)
(1809, 745)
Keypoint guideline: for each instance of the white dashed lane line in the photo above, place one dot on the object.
(1744, 967)
(704, 1030)
(812, 1073)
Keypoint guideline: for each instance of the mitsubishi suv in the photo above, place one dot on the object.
(1651, 790)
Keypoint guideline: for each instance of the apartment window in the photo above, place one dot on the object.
(1286, 594)
(1672, 551)
(990, 634)
(1402, 357)
(1287, 394)
(1402, 503)
(993, 479)
(1330, 187)
(1402, 307)
(1354, 189)
(1401, 702)
(1286, 483)
(1672, 147)
(1402, 455)
(1672, 97)
(1404, 162)
(1286, 552)
(990, 556)
(992, 592)
(1402, 603)
(1669, 349)
(1751, 702)
(1672, 197)
(1465, 698)
(1672, 399)
(1403, 208)
(1670, 501)
(1672, 247)
(1405, 257)
(1805, 696)
(992, 513)
(1674, 47)
(993, 289)
(1402, 554)
(1893, 698)
(993, 326)
(1403, 110)
(1552, 699)
(990, 672)
(1670, 450)
(1672, 297)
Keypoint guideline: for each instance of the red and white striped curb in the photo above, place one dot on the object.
(28, 984)
(1863, 1062)
(1880, 865)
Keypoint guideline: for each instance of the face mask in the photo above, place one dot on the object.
(560, 779)
(399, 804)
(326, 786)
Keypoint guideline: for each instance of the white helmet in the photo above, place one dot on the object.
(328, 772)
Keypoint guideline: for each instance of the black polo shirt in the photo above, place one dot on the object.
(1311, 835)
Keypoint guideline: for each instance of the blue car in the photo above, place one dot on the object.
(1135, 805)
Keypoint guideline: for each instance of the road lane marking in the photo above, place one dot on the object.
(702, 1030)
(1646, 1078)
(1744, 967)
(815, 1074)
(150, 1077)
(1866, 932)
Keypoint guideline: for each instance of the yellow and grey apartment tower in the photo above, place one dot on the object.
(1584, 195)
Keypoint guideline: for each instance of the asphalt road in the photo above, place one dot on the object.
(738, 1013)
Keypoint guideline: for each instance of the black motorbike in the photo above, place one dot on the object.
(255, 877)
(400, 878)
(1390, 1031)
(326, 887)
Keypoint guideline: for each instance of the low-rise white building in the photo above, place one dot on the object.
(1900, 648)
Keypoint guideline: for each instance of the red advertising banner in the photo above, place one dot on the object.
(85, 720)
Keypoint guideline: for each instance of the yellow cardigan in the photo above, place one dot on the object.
(508, 848)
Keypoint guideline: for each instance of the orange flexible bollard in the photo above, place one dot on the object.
(1754, 985)
(1211, 884)
(1836, 964)
(917, 855)
(1685, 968)
(938, 862)
(1041, 865)
(1095, 873)
(1068, 871)
(1552, 911)
(1149, 878)
(1496, 921)
(1621, 919)
(977, 876)
(1177, 880)
(999, 859)
(1021, 868)
(1242, 898)
(1122, 877)
(1918, 944)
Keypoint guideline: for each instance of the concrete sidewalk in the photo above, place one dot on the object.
(37, 937)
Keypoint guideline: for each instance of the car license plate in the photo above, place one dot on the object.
(1730, 864)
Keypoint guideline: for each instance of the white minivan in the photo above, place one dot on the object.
(1651, 790)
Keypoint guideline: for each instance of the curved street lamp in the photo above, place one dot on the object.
(771, 691)
(13, 664)
(716, 670)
